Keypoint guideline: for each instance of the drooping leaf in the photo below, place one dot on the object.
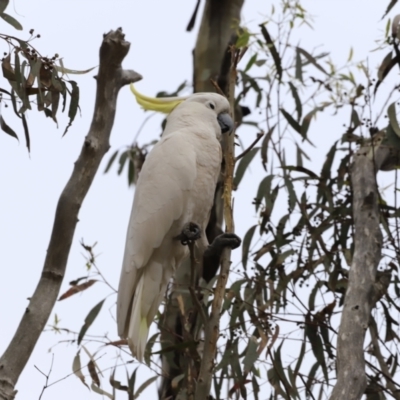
(299, 67)
(77, 368)
(274, 52)
(3, 5)
(243, 165)
(7, 129)
(312, 60)
(251, 355)
(382, 71)
(94, 312)
(292, 122)
(264, 190)
(246, 244)
(74, 104)
(295, 94)
(264, 146)
(250, 63)
(64, 70)
(291, 192)
(393, 118)
(98, 390)
(26, 132)
(143, 386)
(111, 161)
(389, 7)
(11, 20)
(77, 289)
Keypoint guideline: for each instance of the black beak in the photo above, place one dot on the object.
(225, 122)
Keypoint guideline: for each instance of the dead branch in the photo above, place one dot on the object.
(211, 329)
(110, 79)
(360, 299)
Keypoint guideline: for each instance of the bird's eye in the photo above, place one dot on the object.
(212, 106)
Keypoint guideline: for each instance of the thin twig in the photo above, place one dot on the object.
(217, 88)
(46, 385)
(193, 275)
(211, 329)
(259, 136)
(395, 392)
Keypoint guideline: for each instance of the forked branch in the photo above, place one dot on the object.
(110, 79)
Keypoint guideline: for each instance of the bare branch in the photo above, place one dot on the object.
(111, 77)
(211, 329)
(259, 136)
(390, 384)
(360, 298)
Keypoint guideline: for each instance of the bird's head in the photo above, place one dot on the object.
(211, 104)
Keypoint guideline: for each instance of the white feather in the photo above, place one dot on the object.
(176, 185)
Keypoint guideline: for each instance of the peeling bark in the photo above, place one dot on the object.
(110, 79)
(360, 294)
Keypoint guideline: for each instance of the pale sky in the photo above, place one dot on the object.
(30, 185)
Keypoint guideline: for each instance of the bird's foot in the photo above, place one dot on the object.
(190, 232)
(220, 242)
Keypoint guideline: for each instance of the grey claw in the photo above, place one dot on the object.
(228, 240)
(190, 232)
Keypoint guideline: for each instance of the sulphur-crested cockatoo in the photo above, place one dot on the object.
(175, 187)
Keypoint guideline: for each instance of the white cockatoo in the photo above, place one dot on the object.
(175, 187)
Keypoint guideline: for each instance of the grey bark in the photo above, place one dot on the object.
(110, 79)
(211, 60)
(360, 295)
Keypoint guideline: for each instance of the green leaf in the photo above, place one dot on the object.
(12, 21)
(312, 60)
(3, 5)
(389, 7)
(94, 312)
(98, 390)
(64, 70)
(110, 161)
(77, 369)
(382, 71)
(307, 119)
(131, 382)
(246, 244)
(295, 94)
(7, 129)
(26, 132)
(264, 146)
(274, 52)
(393, 118)
(73, 105)
(122, 161)
(264, 190)
(292, 122)
(243, 39)
(316, 344)
(251, 355)
(291, 192)
(242, 167)
(251, 62)
(143, 386)
(299, 67)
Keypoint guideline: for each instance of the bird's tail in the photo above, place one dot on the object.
(138, 326)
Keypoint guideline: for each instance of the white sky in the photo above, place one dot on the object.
(30, 186)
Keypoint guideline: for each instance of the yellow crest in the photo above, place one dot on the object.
(160, 104)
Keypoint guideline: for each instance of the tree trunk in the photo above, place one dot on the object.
(110, 79)
(212, 60)
(360, 296)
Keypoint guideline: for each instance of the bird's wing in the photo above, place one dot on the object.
(167, 175)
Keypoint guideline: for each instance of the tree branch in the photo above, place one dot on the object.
(211, 329)
(111, 77)
(360, 296)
